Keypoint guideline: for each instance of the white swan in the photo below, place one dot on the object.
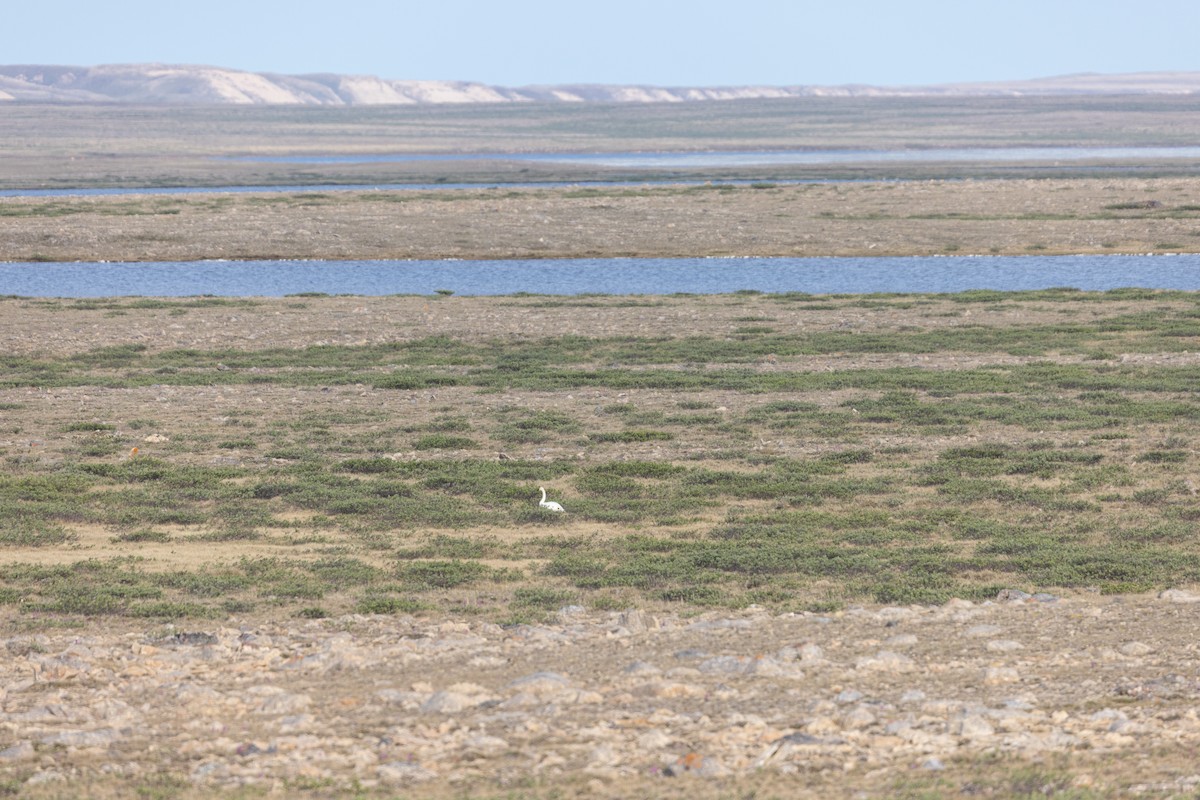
(549, 505)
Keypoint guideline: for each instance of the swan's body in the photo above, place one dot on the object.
(549, 505)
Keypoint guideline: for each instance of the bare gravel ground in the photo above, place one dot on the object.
(1025, 696)
(1013, 217)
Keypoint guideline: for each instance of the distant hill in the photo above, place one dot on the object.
(167, 84)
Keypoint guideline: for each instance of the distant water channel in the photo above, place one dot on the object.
(702, 159)
(600, 276)
(648, 162)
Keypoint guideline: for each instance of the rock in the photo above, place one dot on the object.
(97, 738)
(1179, 596)
(642, 668)
(419, 700)
(973, 726)
(886, 661)
(673, 689)
(45, 776)
(821, 725)
(731, 665)
(17, 752)
(297, 723)
(782, 748)
(654, 740)
(858, 718)
(696, 764)
(896, 613)
(571, 612)
(487, 661)
(811, 653)
(981, 631)
(901, 640)
(399, 773)
(484, 747)
(541, 683)
(720, 625)
(631, 621)
(410, 701)
(995, 676)
(447, 702)
(1135, 649)
(284, 703)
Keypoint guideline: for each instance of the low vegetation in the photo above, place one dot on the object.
(955, 446)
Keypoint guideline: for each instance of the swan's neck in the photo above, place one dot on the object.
(543, 495)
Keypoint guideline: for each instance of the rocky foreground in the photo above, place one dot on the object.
(615, 704)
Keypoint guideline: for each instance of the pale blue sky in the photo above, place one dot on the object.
(658, 42)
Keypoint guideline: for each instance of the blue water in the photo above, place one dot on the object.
(649, 160)
(385, 187)
(1109, 157)
(600, 276)
(1112, 157)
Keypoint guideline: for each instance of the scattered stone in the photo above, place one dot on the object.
(858, 718)
(45, 776)
(982, 631)
(17, 752)
(642, 668)
(1018, 596)
(414, 701)
(901, 640)
(996, 676)
(632, 621)
(484, 747)
(451, 702)
(811, 653)
(541, 683)
(654, 740)
(398, 773)
(973, 726)
(720, 625)
(886, 661)
(1135, 649)
(696, 764)
(97, 738)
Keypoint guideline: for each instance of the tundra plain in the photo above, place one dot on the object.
(902, 545)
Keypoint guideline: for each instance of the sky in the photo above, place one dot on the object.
(654, 42)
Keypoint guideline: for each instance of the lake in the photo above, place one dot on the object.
(701, 159)
(601, 276)
(1102, 157)
(390, 187)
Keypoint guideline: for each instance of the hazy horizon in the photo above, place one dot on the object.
(704, 42)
